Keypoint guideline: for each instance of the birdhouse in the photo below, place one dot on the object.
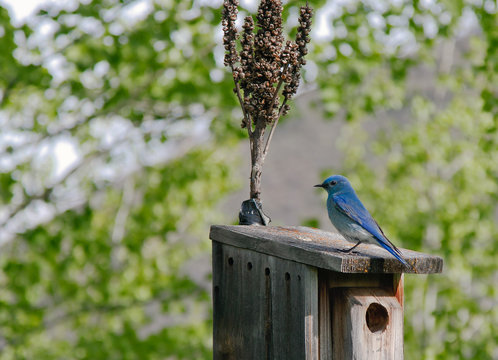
(290, 293)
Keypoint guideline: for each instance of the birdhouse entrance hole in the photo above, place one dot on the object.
(377, 318)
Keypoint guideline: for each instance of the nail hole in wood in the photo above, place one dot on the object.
(267, 271)
(249, 265)
(377, 318)
(299, 278)
(287, 276)
(230, 261)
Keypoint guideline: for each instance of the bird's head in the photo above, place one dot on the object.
(336, 184)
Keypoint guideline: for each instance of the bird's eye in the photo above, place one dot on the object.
(333, 182)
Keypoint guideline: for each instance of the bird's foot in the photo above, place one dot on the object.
(348, 251)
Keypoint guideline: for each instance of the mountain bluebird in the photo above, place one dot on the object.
(352, 219)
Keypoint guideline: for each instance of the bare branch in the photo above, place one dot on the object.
(247, 120)
(45, 195)
(274, 125)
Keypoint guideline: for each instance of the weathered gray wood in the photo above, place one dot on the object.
(337, 279)
(389, 282)
(321, 249)
(311, 317)
(264, 307)
(380, 338)
(325, 325)
(329, 281)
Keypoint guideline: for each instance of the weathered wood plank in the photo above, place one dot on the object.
(312, 350)
(337, 279)
(264, 307)
(367, 323)
(325, 325)
(235, 321)
(321, 249)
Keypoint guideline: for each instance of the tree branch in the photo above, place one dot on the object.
(48, 190)
(274, 125)
(241, 101)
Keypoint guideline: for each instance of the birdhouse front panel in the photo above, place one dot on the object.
(367, 323)
(264, 307)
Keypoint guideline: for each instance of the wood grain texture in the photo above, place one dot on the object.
(264, 307)
(321, 249)
(337, 279)
(351, 334)
(324, 317)
(329, 285)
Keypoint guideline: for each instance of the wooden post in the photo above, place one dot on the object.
(288, 293)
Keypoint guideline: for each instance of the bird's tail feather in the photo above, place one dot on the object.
(396, 253)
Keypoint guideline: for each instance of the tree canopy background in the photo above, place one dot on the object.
(118, 130)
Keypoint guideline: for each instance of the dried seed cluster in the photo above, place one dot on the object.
(265, 63)
(229, 16)
(302, 39)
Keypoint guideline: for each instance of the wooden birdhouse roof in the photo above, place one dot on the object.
(322, 249)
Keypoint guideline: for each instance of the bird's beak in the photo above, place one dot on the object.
(318, 185)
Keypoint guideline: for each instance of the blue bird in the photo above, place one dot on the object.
(352, 219)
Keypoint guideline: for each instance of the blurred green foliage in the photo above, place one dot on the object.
(101, 260)
(109, 271)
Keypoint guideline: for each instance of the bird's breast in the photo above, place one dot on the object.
(346, 226)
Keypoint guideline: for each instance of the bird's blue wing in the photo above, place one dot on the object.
(354, 209)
